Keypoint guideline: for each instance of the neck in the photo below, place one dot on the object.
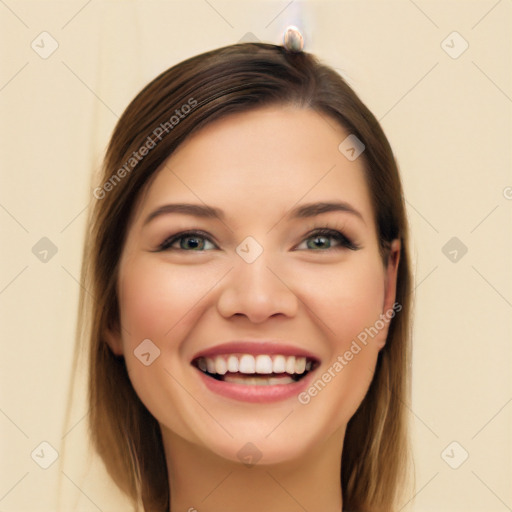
(201, 481)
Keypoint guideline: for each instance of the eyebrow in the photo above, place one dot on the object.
(197, 210)
(299, 212)
(314, 209)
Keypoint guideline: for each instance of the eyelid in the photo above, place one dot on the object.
(330, 226)
(165, 245)
(345, 241)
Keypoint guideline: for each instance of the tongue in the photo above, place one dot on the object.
(257, 379)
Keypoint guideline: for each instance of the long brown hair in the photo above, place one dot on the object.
(178, 102)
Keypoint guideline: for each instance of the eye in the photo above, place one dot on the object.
(188, 241)
(318, 240)
(321, 239)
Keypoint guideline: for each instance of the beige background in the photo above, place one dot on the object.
(448, 120)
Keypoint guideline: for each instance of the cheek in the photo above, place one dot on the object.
(346, 300)
(349, 303)
(156, 299)
(158, 303)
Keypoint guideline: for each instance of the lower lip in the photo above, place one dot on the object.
(254, 393)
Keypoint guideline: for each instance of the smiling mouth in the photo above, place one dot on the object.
(259, 370)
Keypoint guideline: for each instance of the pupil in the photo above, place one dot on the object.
(320, 241)
(192, 242)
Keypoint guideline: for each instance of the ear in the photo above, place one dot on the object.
(391, 275)
(112, 336)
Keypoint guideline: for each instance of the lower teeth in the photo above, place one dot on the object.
(257, 381)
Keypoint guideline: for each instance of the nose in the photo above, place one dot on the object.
(257, 291)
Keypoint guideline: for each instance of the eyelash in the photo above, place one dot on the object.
(344, 241)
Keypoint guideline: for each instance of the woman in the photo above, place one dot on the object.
(247, 292)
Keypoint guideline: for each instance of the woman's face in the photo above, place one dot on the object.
(255, 288)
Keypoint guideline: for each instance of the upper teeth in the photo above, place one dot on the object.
(247, 363)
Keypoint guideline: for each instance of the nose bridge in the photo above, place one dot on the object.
(256, 275)
(254, 288)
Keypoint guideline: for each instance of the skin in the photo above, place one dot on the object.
(255, 166)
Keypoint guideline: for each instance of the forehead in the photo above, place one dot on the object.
(262, 162)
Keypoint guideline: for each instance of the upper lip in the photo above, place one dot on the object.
(254, 347)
